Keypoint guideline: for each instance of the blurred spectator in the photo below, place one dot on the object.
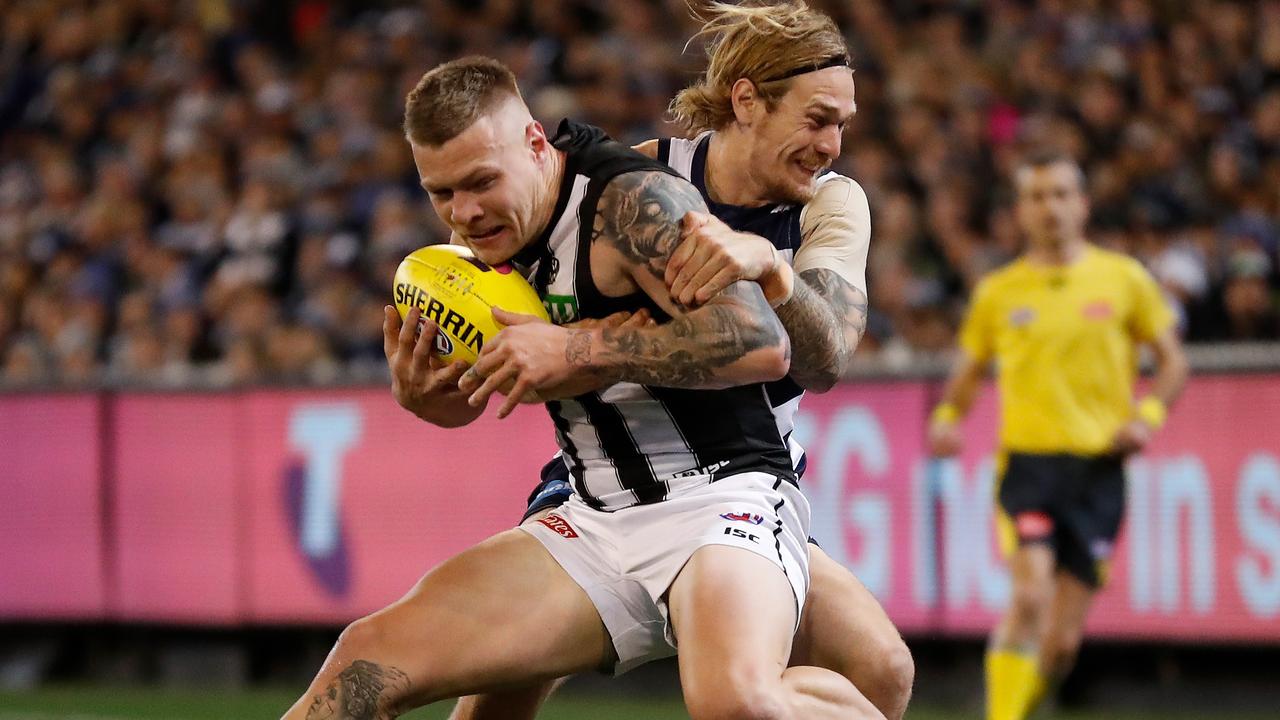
(219, 191)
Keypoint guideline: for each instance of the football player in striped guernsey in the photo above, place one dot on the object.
(686, 520)
(770, 213)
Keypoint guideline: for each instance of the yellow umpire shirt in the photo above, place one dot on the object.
(1065, 342)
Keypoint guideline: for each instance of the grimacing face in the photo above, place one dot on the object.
(486, 183)
(1051, 207)
(801, 137)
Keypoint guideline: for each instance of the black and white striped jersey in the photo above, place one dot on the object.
(777, 223)
(635, 444)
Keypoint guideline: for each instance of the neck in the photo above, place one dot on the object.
(729, 178)
(1063, 253)
(550, 192)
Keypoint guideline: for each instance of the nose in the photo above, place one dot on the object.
(465, 209)
(828, 142)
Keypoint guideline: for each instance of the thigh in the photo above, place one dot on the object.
(1028, 498)
(733, 614)
(843, 625)
(1091, 523)
(499, 614)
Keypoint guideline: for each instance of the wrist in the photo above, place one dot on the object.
(1152, 411)
(945, 413)
(586, 354)
(778, 285)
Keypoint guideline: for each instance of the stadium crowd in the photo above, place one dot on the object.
(218, 191)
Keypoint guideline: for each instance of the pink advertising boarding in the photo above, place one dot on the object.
(51, 554)
(316, 507)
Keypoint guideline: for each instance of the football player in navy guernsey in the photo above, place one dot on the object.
(686, 520)
(769, 215)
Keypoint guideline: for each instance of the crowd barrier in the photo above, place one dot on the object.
(269, 507)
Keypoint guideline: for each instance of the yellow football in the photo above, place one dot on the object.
(458, 291)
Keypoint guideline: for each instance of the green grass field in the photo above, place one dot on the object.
(107, 703)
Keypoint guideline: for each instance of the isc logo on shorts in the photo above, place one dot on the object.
(560, 526)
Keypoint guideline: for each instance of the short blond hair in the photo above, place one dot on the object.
(767, 44)
(452, 96)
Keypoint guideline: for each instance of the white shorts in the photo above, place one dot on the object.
(627, 559)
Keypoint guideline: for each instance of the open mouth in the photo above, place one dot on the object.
(809, 169)
(486, 234)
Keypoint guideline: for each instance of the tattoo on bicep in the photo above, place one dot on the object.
(363, 691)
(640, 215)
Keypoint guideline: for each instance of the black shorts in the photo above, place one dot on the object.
(1073, 503)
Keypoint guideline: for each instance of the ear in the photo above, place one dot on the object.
(746, 100)
(535, 138)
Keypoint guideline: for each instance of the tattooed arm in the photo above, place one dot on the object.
(734, 339)
(828, 307)
(821, 303)
(829, 314)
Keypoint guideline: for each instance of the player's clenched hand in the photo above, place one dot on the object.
(1132, 437)
(944, 439)
(712, 256)
(420, 381)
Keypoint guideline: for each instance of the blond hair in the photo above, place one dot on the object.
(452, 96)
(766, 44)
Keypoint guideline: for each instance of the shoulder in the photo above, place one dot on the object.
(640, 213)
(653, 185)
(838, 195)
(838, 212)
(1126, 266)
(999, 281)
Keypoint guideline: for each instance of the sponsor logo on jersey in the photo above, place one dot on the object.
(1098, 310)
(561, 309)
(1021, 317)
(1034, 525)
(560, 526)
(743, 517)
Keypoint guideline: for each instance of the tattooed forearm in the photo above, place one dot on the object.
(705, 348)
(733, 340)
(829, 315)
(640, 215)
(364, 691)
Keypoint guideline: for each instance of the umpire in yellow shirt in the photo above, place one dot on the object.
(1063, 324)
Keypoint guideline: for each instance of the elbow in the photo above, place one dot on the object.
(772, 360)
(819, 381)
(777, 362)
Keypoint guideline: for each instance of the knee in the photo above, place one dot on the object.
(361, 638)
(897, 675)
(1058, 652)
(1028, 605)
(364, 672)
(738, 701)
